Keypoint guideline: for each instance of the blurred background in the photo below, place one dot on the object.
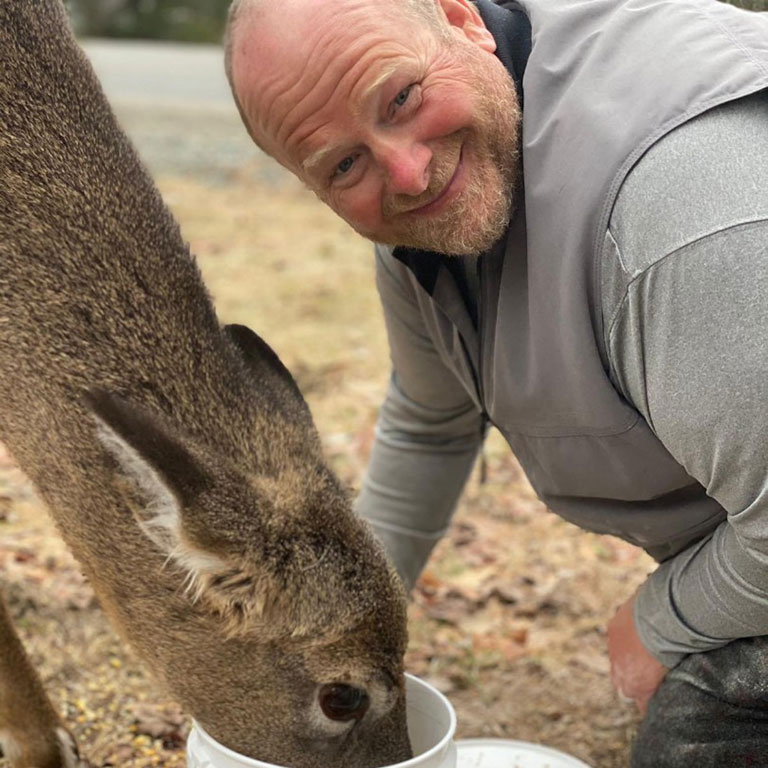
(185, 20)
(199, 21)
(508, 620)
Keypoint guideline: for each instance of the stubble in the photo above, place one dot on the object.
(479, 216)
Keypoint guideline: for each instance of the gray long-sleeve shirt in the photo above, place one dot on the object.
(685, 304)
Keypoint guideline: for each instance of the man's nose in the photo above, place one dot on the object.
(407, 166)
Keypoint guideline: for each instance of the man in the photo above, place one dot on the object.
(605, 309)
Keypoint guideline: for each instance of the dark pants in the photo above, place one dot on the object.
(711, 711)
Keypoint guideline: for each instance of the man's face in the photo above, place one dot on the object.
(410, 135)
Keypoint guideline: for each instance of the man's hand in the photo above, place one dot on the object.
(634, 672)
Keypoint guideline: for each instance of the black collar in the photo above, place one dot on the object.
(511, 29)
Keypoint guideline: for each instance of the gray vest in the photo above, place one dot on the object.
(605, 80)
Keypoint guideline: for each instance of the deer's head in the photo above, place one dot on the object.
(290, 628)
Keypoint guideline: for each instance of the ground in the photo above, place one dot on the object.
(509, 619)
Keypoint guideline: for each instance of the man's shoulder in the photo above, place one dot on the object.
(704, 177)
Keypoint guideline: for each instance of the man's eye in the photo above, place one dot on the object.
(345, 166)
(402, 97)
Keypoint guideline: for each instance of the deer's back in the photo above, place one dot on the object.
(97, 288)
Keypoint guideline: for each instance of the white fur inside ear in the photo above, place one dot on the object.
(161, 517)
(11, 748)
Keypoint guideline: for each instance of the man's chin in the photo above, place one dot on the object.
(473, 225)
(469, 241)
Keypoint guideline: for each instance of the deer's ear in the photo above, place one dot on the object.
(175, 496)
(161, 481)
(265, 365)
(160, 475)
(259, 355)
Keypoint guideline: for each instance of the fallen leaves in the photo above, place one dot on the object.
(482, 581)
(516, 593)
(166, 723)
(57, 579)
(6, 508)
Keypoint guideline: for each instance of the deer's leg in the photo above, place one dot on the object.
(31, 733)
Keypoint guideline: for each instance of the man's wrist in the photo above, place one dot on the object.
(661, 628)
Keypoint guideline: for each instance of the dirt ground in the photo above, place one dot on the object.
(509, 618)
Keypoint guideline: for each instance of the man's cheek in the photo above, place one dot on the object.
(362, 210)
(444, 115)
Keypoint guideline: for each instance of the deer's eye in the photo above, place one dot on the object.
(343, 702)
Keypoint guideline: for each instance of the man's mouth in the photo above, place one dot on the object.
(447, 192)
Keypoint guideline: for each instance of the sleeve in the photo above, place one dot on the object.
(689, 350)
(427, 436)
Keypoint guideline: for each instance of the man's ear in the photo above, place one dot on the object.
(465, 19)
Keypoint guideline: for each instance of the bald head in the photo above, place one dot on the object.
(242, 12)
(237, 12)
(397, 114)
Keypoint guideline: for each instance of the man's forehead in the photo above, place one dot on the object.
(286, 53)
(283, 38)
(277, 23)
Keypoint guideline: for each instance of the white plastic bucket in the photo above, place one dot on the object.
(504, 753)
(431, 726)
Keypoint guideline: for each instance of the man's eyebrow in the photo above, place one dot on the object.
(382, 78)
(316, 159)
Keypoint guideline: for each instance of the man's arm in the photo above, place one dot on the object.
(688, 346)
(427, 436)
(697, 326)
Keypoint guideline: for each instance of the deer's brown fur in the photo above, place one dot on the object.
(177, 457)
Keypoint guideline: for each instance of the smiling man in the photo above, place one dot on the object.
(383, 120)
(570, 205)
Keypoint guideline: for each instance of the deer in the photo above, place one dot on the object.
(176, 455)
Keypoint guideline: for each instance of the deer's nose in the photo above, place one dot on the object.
(407, 167)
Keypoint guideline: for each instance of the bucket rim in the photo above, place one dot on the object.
(413, 762)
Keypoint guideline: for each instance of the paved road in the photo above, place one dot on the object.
(168, 74)
(174, 102)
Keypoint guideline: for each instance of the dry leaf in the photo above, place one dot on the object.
(166, 723)
(428, 581)
(24, 555)
(463, 533)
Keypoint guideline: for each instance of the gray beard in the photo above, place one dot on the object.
(481, 215)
